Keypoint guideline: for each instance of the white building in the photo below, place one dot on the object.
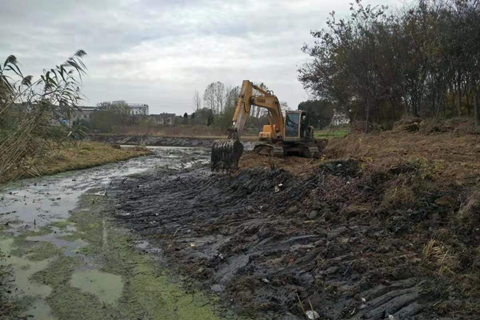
(84, 112)
(138, 108)
(339, 118)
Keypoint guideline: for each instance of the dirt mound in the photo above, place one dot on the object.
(354, 238)
(407, 124)
(453, 157)
(458, 126)
(428, 126)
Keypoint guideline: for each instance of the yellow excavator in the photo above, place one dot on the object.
(284, 135)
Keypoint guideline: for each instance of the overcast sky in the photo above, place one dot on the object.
(160, 51)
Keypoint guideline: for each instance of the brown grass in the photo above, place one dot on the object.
(442, 257)
(450, 157)
(74, 156)
(453, 156)
(398, 195)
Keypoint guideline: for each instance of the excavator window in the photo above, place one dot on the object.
(292, 122)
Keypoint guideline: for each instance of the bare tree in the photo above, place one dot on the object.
(220, 96)
(197, 101)
(256, 111)
(231, 97)
(209, 97)
(214, 97)
(284, 106)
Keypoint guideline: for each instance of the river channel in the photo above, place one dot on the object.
(70, 260)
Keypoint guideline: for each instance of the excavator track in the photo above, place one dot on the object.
(267, 149)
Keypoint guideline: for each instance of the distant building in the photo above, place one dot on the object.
(339, 118)
(83, 113)
(163, 118)
(138, 108)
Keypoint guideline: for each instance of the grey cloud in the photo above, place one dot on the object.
(160, 52)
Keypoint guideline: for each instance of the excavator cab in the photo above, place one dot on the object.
(293, 121)
(297, 127)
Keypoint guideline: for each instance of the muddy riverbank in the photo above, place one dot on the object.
(68, 259)
(385, 235)
(161, 141)
(153, 141)
(352, 240)
(72, 156)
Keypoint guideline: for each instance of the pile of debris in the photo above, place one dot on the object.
(407, 124)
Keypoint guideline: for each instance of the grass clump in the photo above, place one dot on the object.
(83, 155)
(73, 156)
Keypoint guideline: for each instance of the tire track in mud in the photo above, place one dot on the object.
(255, 240)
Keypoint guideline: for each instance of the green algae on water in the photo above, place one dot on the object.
(107, 287)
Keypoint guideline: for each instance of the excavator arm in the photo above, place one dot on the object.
(226, 154)
(265, 100)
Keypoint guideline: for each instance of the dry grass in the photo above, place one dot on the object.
(74, 156)
(398, 195)
(441, 257)
(470, 212)
(452, 155)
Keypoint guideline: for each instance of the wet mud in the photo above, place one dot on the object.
(161, 237)
(350, 241)
(68, 258)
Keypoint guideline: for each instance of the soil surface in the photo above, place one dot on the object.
(382, 227)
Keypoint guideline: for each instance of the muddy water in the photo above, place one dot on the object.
(69, 260)
(36, 202)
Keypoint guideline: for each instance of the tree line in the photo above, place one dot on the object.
(377, 65)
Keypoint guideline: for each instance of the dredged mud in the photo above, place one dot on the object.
(277, 245)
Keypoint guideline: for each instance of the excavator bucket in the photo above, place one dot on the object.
(226, 154)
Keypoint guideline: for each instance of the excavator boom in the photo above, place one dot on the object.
(262, 99)
(225, 155)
